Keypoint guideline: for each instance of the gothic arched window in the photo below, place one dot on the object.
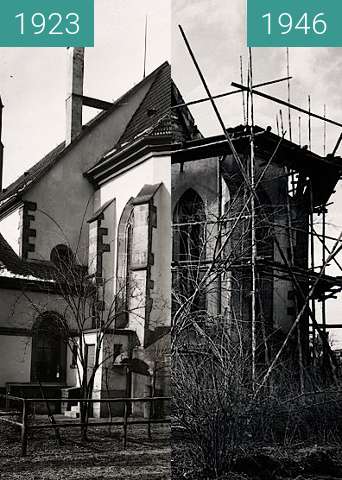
(189, 231)
(124, 260)
(189, 234)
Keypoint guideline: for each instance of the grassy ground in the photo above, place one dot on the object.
(301, 462)
(102, 458)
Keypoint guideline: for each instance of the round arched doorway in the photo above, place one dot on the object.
(48, 360)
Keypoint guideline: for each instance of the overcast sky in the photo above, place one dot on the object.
(33, 81)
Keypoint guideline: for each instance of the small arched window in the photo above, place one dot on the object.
(62, 256)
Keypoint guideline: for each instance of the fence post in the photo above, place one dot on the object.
(149, 419)
(24, 429)
(125, 424)
(7, 399)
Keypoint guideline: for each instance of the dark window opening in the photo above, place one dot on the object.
(124, 264)
(74, 356)
(117, 350)
(129, 244)
(62, 256)
(48, 350)
(189, 249)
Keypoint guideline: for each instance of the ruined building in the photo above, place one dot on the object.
(288, 190)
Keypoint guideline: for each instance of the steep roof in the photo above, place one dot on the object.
(40, 275)
(9, 259)
(12, 266)
(154, 108)
(155, 117)
(26, 181)
(160, 79)
(152, 117)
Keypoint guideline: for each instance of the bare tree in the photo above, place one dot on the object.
(87, 302)
(217, 400)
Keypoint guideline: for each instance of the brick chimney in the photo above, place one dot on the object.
(74, 93)
(1, 148)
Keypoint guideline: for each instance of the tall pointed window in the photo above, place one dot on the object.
(124, 262)
(189, 248)
(129, 241)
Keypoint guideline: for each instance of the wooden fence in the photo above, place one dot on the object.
(23, 420)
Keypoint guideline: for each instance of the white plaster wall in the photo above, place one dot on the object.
(61, 200)
(10, 229)
(151, 171)
(115, 381)
(15, 354)
(21, 309)
(109, 222)
(137, 304)
(64, 193)
(71, 373)
(162, 251)
(90, 338)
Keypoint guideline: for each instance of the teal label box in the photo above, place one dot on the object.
(47, 23)
(294, 23)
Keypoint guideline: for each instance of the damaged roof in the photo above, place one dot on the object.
(269, 145)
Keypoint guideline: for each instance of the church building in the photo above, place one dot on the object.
(133, 199)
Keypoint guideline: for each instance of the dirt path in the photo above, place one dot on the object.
(102, 458)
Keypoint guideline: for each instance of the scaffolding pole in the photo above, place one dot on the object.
(309, 121)
(253, 232)
(324, 318)
(306, 299)
(243, 93)
(288, 92)
(251, 186)
(287, 104)
(312, 241)
(305, 306)
(227, 94)
(217, 113)
(292, 260)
